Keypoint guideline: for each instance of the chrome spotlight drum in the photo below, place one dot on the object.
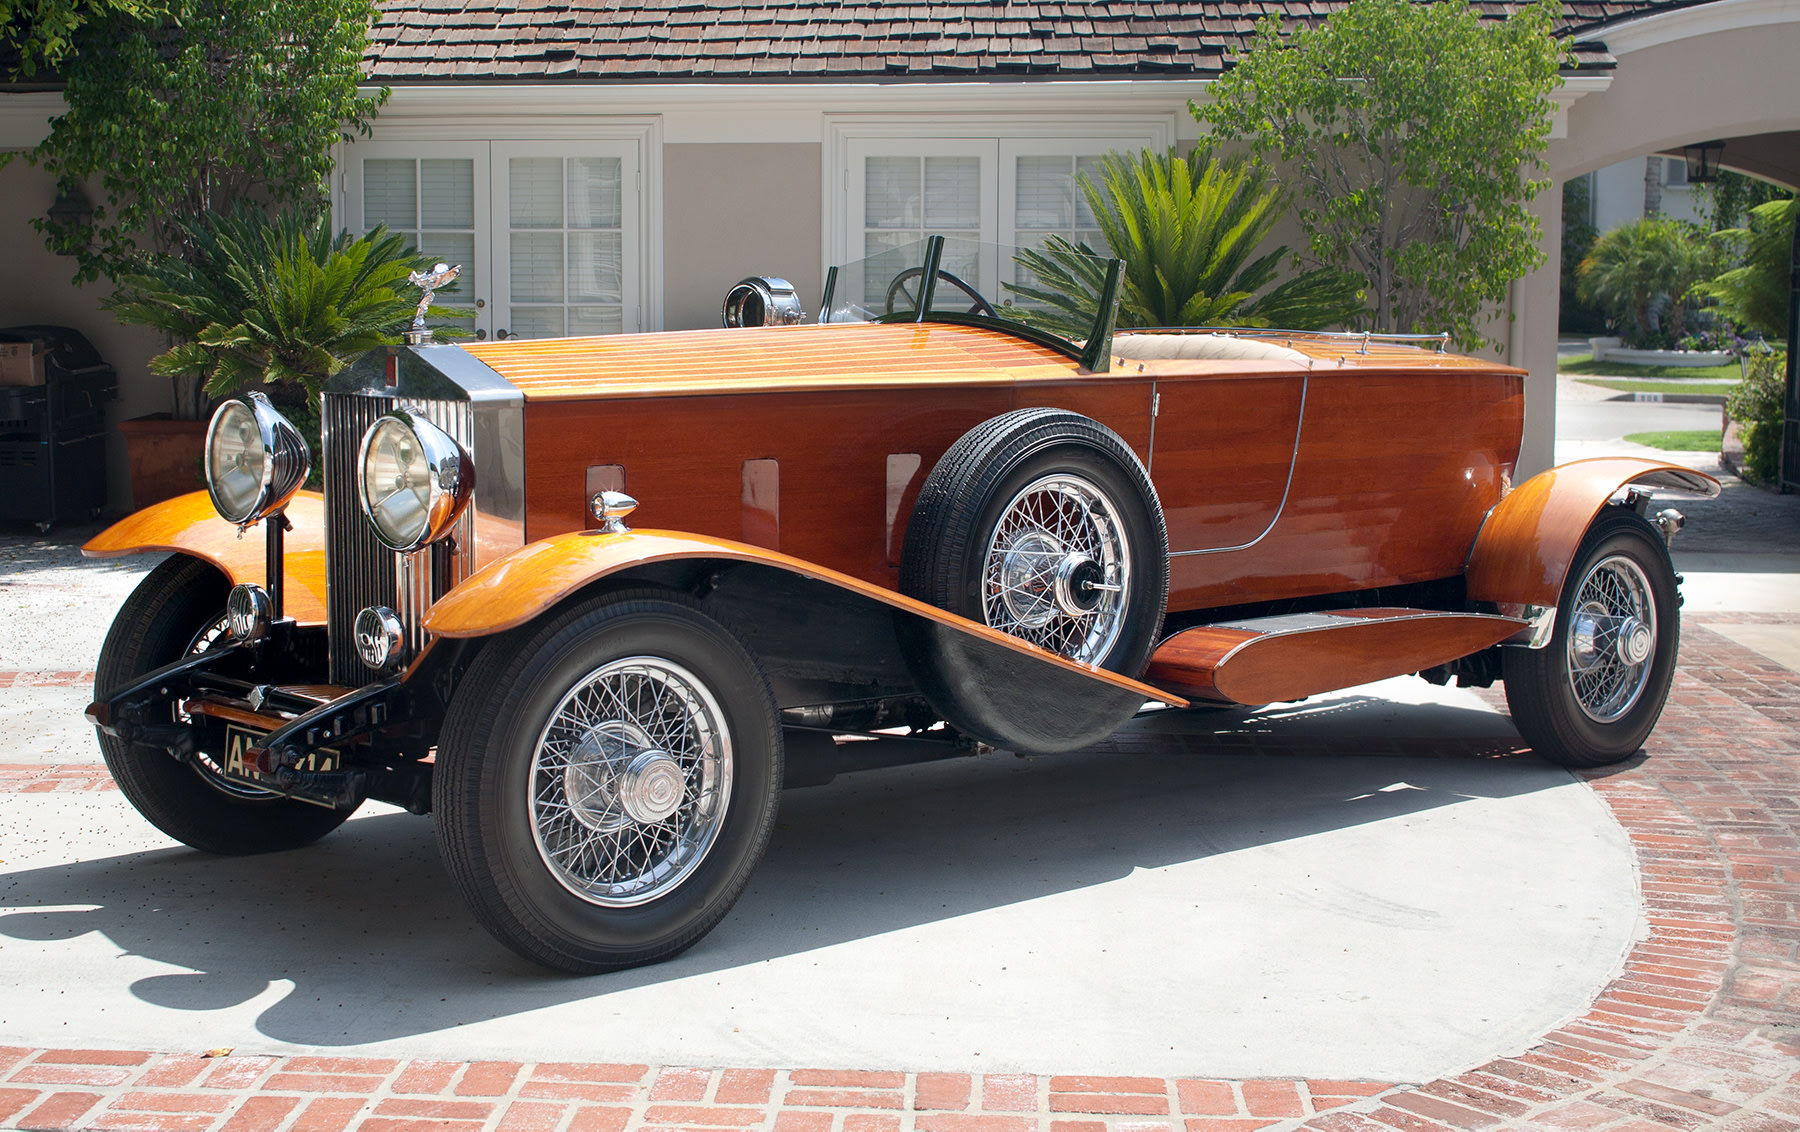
(255, 460)
(763, 300)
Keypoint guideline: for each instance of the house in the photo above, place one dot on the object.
(604, 167)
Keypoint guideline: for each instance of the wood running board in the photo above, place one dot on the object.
(1267, 660)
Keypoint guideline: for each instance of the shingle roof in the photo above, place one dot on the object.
(839, 40)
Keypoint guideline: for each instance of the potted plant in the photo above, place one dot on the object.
(273, 302)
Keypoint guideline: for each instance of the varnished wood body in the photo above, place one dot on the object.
(189, 525)
(1290, 658)
(1278, 479)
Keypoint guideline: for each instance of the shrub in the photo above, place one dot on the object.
(1756, 404)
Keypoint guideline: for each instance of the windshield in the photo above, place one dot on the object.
(1059, 294)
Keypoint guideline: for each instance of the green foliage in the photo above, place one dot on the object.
(1756, 294)
(271, 300)
(1734, 196)
(222, 100)
(1641, 270)
(1410, 131)
(42, 31)
(1190, 232)
(1756, 404)
(1578, 236)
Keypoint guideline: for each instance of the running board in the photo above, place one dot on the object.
(1267, 660)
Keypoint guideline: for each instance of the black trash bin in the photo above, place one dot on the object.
(53, 436)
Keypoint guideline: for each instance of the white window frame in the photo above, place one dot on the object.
(998, 139)
(488, 137)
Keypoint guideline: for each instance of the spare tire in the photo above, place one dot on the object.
(1041, 523)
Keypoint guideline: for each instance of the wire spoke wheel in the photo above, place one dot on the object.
(1612, 640)
(630, 782)
(1057, 568)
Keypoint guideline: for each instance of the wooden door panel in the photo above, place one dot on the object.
(1223, 450)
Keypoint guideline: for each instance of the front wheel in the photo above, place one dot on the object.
(1594, 693)
(176, 611)
(606, 781)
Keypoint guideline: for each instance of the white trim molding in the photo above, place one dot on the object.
(1639, 32)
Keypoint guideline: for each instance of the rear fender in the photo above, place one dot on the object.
(1522, 554)
(800, 617)
(187, 524)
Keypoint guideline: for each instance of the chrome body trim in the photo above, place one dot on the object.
(1286, 488)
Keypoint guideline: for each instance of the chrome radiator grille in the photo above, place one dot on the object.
(360, 571)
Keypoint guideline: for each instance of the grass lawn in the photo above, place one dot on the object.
(1584, 364)
(1692, 440)
(1658, 386)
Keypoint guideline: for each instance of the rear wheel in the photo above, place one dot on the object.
(177, 610)
(606, 781)
(1594, 693)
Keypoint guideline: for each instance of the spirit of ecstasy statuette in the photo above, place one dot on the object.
(430, 281)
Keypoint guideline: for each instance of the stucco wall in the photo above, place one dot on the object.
(35, 288)
(733, 210)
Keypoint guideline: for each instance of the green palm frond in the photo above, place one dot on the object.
(272, 299)
(1190, 230)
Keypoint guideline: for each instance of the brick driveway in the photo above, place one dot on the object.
(1701, 1030)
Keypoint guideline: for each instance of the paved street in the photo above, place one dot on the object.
(1372, 910)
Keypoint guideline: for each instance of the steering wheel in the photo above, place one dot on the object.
(898, 289)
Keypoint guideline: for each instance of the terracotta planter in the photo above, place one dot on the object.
(165, 457)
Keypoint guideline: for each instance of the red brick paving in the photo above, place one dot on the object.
(1701, 1030)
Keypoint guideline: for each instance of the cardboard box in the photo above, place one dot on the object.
(22, 363)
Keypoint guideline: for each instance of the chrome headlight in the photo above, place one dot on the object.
(414, 479)
(255, 460)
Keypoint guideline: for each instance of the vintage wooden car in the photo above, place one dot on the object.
(929, 529)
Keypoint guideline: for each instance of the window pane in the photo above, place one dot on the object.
(1084, 216)
(536, 322)
(537, 267)
(535, 192)
(891, 192)
(596, 320)
(1043, 193)
(594, 267)
(952, 193)
(388, 194)
(448, 191)
(594, 185)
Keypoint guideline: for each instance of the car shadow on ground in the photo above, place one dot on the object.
(376, 945)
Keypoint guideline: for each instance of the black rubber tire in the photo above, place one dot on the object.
(481, 787)
(158, 624)
(1539, 691)
(963, 498)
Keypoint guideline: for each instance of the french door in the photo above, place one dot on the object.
(547, 232)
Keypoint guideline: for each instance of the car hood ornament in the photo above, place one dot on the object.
(443, 274)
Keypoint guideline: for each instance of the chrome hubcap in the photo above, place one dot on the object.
(1057, 569)
(1612, 639)
(630, 782)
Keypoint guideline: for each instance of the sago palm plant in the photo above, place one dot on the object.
(1190, 230)
(275, 300)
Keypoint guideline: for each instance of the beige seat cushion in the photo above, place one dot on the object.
(1201, 347)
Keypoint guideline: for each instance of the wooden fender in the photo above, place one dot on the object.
(1048, 697)
(187, 524)
(1524, 548)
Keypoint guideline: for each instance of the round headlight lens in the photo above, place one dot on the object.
(236, 459)
(255, 460)
(415, 480)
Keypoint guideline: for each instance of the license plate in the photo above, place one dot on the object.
(239, 740)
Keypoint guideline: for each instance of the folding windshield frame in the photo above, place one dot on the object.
(1093, 353)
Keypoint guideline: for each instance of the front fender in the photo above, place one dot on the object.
(187, 524)
(505, 594)
(1524, 549)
